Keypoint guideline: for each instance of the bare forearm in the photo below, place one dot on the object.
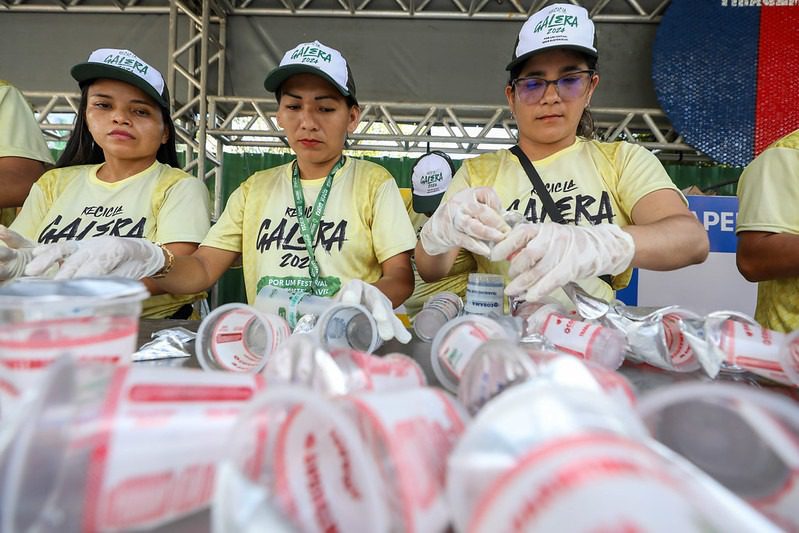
(397, 286)
(764, 256)
(17, 175)
(433, 267)
(670, 243)
(196, 272)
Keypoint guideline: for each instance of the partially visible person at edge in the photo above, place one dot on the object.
(768, 232)
(430, 177)
(324, 223)
(116, 176)
(620, 208)
(23, 153)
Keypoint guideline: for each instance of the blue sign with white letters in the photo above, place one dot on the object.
(718, 215)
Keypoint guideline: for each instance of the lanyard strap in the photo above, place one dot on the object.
(310, 225)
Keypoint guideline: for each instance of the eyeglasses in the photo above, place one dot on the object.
(569, 86)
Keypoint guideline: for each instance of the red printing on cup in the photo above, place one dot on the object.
(189, 393)
(120, 327)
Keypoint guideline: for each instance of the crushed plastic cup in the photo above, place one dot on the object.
(585, 340)
(337, 325)
(601, 482)
(301, 360)
(116, 448)
(748, 346)
(485, 294)
(238, 338)
(519, 420)
(437, 311)
(746, 439)
(789, 356)
(367, 462)
(92, 319)
(455, 344)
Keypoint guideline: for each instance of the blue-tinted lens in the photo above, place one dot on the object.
(531, 89)
(572, 86)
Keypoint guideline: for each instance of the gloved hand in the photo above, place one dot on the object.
(356, 291)
(15, 255)
(471, 219)
(100, 256)
(546, 256)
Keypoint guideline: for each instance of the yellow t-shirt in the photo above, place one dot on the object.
(768, 195)
(161, 203)
(20, 135)
(455, 281)
(591, 182)
(363, 225)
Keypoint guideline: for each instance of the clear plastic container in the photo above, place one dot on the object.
(485, 293)
(239, 338)
(437, 311)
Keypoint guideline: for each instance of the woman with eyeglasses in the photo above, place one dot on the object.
(598, 208)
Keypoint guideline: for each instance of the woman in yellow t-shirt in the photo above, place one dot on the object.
(116, 176)
(325, 223)
(600, 209)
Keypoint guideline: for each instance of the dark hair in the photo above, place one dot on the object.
(82, 150)
(585, 128)
(351, 102)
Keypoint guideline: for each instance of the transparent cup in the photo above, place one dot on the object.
(437, 311)
(239, 338)
(92, 319)
(367, 462)
(455, 344)
(108, 448)
(485, 293)
(746, 439)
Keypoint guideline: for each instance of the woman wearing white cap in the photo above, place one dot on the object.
(600, 209)
(325, 223)
(116, 176)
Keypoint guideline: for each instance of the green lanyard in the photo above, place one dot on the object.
(309, 227)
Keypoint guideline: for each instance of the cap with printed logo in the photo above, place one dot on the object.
(123, 65)
(555, 26)
(313, 58)
(430, 176)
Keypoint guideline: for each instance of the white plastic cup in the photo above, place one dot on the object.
(368, 462)
(746, 439)
(485, 294)
(117, 448)
(238, 338)
(455, 344)
(390, 372)
(584, 340)
(437, 311)
(755, 349)
(789, 356)
(91, 319)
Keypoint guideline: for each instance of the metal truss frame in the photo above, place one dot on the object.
(642, 11)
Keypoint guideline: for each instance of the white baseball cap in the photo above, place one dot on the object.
(313, 58)
(556, 26)
(430, 175)
(123, 65)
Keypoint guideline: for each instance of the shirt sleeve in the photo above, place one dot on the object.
(185, 214)
(640, 173)
(226, 233)
(392, 232)
(33, 211)
(20, 135)
(768, 193)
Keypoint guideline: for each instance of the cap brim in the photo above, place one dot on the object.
(280, 74)
(426, 204)
(84, 72)
(524, 57)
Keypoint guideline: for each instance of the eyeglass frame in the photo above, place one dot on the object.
(590, 71)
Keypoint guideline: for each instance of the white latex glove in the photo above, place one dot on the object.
(15, 256)
(546, 256)
(100, 256)
(369, 296)
(471, 219)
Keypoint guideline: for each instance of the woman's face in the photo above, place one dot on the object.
(548, 120)
(125, 122)
(315, 117)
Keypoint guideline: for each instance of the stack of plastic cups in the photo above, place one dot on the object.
(746, 439)
(91, 319)
(485, 294)
(239, 338)
(118, 448)
(437, 311)
(337, 325)
(367, 462)
(539, 456)
(455, 343)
